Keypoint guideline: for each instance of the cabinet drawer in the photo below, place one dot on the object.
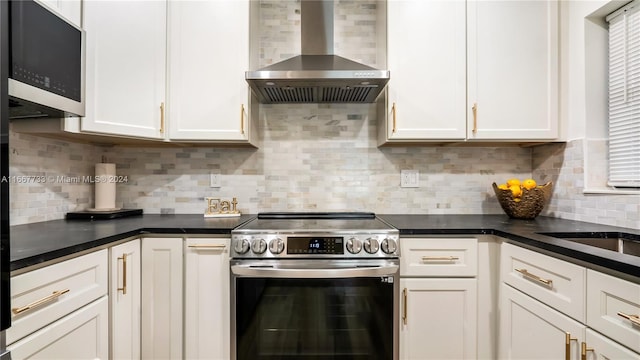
(439, 257)
(555, 282)
(81, 335)
(610, 299)
(45, 295)
(603, 348)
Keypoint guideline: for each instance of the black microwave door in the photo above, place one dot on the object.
(5, 312)
(46, 51)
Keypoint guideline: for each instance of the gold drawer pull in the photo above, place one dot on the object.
(162, 117)
(635, 319)
(56, 294)
(124, 274)
(584, 351)
(393, 110)
(474, 109)
(567, 345)
(404, 306)
(440, 258)
(546, 282)
(205, 246)
(242, 119)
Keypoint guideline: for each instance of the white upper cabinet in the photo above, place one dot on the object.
(125, 67)
(426, 57)
(513, 70)
(208, 97)
(471, 70)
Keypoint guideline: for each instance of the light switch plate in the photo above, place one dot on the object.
(409, 178)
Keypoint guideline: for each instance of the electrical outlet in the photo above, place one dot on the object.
(214, 180)
(409, 178)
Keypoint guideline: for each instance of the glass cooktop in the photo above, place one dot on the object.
(318, 222)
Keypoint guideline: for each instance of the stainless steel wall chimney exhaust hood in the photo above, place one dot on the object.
(317, 76)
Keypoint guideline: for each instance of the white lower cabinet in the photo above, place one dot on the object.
(124, 295)
(80, 335)
(61, 311)
(531, 330)
(439, 300)
(206, 297)
(438, 319)
(162, 292)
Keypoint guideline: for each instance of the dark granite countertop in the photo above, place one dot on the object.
(527, 234)
(33, 244)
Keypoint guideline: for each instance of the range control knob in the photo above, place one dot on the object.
(389, 246)
(354, 245)
(371, 245)
(241, 246)
(276, 246)
(258, 246)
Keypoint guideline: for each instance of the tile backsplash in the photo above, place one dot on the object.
(45, 173)
(565, 165)
(310, 158)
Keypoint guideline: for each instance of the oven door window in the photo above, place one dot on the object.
(314, 318)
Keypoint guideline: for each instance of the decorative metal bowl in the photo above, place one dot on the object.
(530, 204)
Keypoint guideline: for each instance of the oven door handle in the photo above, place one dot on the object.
(324, 273)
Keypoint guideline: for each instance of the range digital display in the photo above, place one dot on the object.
(315, 245)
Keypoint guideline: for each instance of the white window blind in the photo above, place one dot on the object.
(624, 96)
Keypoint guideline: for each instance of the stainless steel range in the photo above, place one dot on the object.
(315, 286)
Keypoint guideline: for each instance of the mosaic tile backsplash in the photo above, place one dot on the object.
(310, 158)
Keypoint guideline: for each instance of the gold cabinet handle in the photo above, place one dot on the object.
(242, 119)
(162, 117)
(584, 351)
(393, 110)
(635, 319)
(124, 274)
(546, 282)
(567, 345)
(440, 258)
(474, 109)
(404, 306)
(205, 246)
(56, 294)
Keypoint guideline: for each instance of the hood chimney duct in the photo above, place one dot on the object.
(316, 26)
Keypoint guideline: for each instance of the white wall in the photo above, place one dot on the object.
(584, 67)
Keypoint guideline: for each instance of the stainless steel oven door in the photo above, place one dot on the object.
(314, 309)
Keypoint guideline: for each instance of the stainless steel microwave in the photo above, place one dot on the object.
(46, 63)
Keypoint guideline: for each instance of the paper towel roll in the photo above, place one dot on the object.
(105, 186)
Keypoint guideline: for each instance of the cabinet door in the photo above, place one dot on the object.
(162, 298)
(125, 300)
(439, 319)
(598, 347)
(426, 57)
(208, 55)
(207, 311)
(513, 70)
(125, 67)
(531, 330)
(83, 334)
